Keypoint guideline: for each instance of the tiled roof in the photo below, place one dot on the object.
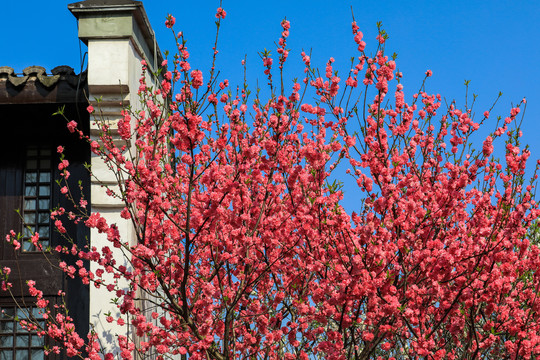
(34, 85)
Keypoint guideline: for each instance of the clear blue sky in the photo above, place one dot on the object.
(495, 44)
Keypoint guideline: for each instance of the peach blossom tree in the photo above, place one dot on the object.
(246, 250)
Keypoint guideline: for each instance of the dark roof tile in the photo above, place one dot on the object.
(34, 85)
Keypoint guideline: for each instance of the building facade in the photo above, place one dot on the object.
(118, 36)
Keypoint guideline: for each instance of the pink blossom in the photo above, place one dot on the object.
(220, 13)
(72, 125)
(197, 78)
(170, 21)
(63, 165)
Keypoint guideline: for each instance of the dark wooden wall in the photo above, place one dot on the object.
(24, 125)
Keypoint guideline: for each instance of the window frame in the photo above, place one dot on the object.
(10, 328)
(38, 162)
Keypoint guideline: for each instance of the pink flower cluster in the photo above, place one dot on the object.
(242, 243)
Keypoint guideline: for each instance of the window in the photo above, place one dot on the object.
(17, 343)
(37, 196)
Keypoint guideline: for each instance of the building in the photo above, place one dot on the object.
(118, 35)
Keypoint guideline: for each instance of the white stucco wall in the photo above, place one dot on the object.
(111, 63)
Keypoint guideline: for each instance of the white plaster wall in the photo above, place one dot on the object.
(108, 61)
(101, 304)
(134, 74)
(108, 64)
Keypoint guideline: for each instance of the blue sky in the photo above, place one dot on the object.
(494, 44)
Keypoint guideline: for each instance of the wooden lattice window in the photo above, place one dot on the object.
(17, 343)
(37, 192)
